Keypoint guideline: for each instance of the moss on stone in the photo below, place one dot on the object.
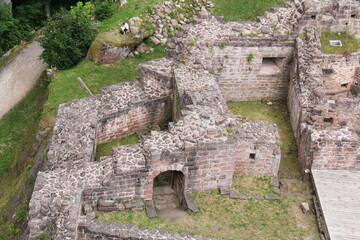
(115, 40)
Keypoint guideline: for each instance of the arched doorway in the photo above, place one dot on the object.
(168, 194)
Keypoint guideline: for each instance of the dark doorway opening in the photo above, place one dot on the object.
(168, 194)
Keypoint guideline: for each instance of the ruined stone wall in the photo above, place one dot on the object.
(112, 231)
(331, 16)
(329, 149)
(339, 72)
(335, 150)
(244, 75)
(156, 76)
(133, 118)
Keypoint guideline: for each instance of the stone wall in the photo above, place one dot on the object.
(133, 118)
(113, 231)
(329, 149)
(245, 78)
(339, 72)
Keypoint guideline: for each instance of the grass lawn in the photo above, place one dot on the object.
(349, 43)
(276, 113)
(17, 132)
(64, 86)
(225, 218)
(104, 149)
(244, 10)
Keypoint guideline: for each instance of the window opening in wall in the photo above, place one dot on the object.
(327, 71)
(271, 66)
(344, 85)
(328, 120)
(252, 155)
(353, 16)
(313, 17)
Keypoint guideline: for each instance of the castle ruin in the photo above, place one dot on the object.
(210, 62)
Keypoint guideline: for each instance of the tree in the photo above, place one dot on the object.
(9, 30)
(68, 37)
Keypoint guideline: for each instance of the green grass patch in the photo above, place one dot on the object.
(104, 149)
(256, 185)
(18, 127)
(224, 218)
(17, 132)
(130, 9)
(244, 10)
(64, 86)
(349, 43)
(276, 113)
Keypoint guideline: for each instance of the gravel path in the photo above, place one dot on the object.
(19, 76)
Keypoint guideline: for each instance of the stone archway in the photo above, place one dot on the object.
(168, 194)
(173, 179)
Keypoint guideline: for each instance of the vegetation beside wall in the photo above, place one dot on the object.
(244, 10)
(349, 43)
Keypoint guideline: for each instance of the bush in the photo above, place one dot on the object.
(68, 37)
(104, 9)
(31, 15)
(9, 30)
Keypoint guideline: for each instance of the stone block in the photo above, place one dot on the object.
(305, 207)
(272, 196)
(225, 190)
(135, 204)
(150, 209)
(190, 203)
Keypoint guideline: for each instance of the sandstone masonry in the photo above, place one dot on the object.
(210, 63)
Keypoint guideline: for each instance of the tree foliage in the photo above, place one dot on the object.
(9, 29)
(104, 9)
(31, 15)
(68, 37)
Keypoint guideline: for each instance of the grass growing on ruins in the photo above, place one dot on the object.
(225, 218)
(17, 132)
(104, 149)
(256, 185)
(244, 10)
(64, 86)
(349, 43)
(276, 113)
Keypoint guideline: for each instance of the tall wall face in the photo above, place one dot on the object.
(253, 73)
(134, 118)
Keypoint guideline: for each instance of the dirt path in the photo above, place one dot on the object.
(19, 76)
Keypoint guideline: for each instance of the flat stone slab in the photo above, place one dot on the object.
(235, 195)
(172, 213)
(225, 190)
(272, 196)
(135, 204)
(150, 209)
(191, 204)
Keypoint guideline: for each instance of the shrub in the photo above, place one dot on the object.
(9, 30)
(68, 37)
(104, 9)
(30, 15)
